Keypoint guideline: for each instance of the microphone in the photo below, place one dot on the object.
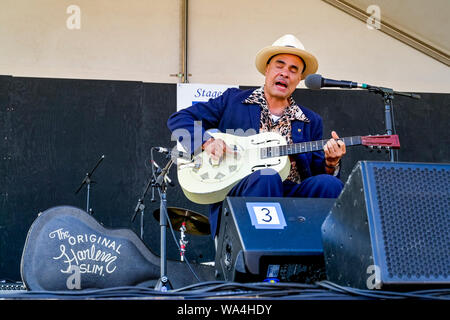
(161, 150)
(315, 81)
(173, 153)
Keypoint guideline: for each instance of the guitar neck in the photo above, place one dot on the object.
(304, 147)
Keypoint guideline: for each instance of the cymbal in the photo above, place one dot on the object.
(196, 223)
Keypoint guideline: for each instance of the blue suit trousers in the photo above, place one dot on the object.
(267, 183)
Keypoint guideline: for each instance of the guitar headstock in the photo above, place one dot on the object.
(380, 142)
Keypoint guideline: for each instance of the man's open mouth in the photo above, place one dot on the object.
(281, 84)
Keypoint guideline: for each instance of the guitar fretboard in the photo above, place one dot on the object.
(303, 147)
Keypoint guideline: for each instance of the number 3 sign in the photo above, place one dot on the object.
(266, 215)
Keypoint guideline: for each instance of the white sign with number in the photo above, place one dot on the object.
(266, 215)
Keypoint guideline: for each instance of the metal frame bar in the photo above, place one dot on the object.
(394, 32)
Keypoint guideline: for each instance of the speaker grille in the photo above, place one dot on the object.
(414, 207)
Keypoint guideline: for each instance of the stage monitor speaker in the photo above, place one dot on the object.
(390, 227)
(271, 239)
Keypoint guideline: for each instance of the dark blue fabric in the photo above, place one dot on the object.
(230, 114)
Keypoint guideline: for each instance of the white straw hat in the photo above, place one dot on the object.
(286, 44)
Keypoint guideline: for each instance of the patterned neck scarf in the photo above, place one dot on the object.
(281, 126)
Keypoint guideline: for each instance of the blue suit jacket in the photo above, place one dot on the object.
(229, 112)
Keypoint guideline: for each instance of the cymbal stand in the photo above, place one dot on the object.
(183, 241)
(140, 206)
(87, 181)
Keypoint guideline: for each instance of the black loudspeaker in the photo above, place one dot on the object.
(271, 239)
(390, 227)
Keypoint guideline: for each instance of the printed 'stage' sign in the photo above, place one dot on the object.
(191, 93)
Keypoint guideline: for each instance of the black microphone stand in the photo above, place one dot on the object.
(140, 205)
(87, 180)
(388, 97)
(160, 183)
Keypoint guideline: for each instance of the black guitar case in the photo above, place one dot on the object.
(67, 249)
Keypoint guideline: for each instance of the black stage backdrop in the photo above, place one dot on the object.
(53, 132)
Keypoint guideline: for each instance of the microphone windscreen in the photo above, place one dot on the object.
(313, 81)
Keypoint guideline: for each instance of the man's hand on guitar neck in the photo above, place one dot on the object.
(216, 148)
(334, 150)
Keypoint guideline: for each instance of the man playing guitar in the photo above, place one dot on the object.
(269, 108)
